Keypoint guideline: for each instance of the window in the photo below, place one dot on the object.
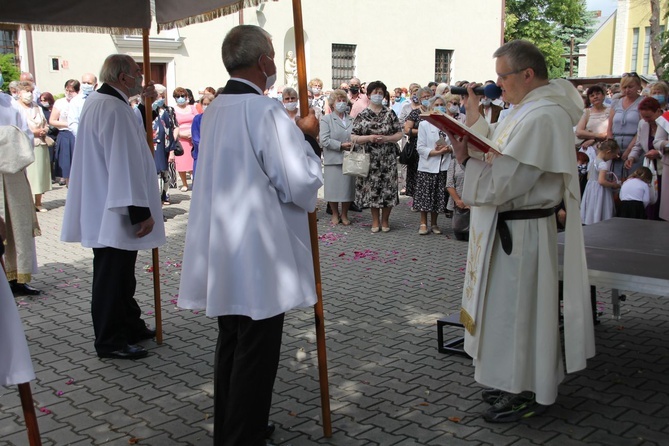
(55, 64)
(442, 65)
(635, 49)
(343, 63)
(9, 43)
(646, 50)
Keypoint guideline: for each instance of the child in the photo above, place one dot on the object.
(582, 161)
(597, 203)
(636, 193)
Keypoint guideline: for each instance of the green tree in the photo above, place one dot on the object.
(549, 24)
(10, 72)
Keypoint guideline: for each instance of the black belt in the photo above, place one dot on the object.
(624, 134)
(526, 214)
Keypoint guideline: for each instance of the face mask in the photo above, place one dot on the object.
(270, 80)
(376, 99)
(158, 103)
(582, 169)
(290, 106)
(86, 89)
(204, 107)
(44, 104)
(414, 99)
(181, 101)
(69, 95)
(486, 102)
(425, 102)
(440, 108)
(384, 103)
(316, 90)
(660, 98)
(454, 109)
(137, 88)
(340, 107)
(27, 97)
(354, 90)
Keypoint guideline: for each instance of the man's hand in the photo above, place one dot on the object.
(145, 227)
(460, 147)
(309, 124)
(628, 163)
(149, 91)
(473, 101)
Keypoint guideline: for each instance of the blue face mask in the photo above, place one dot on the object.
(181, 101)
(440, 108)
(425, 102)
(660, 98)
(158, 103)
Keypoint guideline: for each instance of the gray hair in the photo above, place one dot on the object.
(521, 55)
(335, 96)
(114, 65)
(434, 99)
(288, 91)
(244, 45)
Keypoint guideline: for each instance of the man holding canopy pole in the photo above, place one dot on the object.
(247, 256)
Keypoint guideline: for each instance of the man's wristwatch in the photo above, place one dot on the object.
(464, 163)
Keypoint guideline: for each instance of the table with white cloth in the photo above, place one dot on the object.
(626, 254)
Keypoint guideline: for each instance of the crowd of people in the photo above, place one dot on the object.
(260, 157)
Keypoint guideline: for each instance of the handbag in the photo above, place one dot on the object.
(409, 154)
(460, 223)
(178, 148)
(356, 164)
(16, 150)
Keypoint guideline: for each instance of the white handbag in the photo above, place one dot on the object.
(16, 150)
(356, 164)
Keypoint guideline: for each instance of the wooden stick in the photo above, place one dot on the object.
(29, 414)
(313, 232)
(148, 123)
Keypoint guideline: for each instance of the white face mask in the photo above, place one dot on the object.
(86, 89)
(340, 107)
(27, 97)
(271, 80)
(290, 106)
(486, 102)
(316, 90)
(384, 103)
(376, 99)
(137, 88)
(454, 109)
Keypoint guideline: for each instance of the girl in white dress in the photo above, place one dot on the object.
(597, 204)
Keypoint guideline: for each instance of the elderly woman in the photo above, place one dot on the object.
(376, 130)
(419, 102)
(335, 138)
(185, 113)
(624, 119)
(434, 150)
(39, 172)
(65, 141)
(594, 123)
(660, 91)
(319, 101)
(649, 110)
(289, 100)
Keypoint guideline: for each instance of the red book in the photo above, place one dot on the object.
(446, 123)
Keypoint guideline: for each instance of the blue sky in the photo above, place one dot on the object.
(606, 6)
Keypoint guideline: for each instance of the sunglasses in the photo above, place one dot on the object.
(631, 73)
(180, 96)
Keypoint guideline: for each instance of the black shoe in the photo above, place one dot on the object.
(23, 289)
(510, 408)
(490, 396)
(143, 335)
(355, 208)
(127, 352)
(270, 430)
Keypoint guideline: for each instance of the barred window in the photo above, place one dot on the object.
(442, 65)
(343, 63)
(9, 43)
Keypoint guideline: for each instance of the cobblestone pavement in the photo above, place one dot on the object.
(388, 383)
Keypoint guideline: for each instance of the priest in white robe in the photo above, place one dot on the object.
(510, 305)
(247, 258)
(113, 206)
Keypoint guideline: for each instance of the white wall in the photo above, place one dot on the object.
(395, 40)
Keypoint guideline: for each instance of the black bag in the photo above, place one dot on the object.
(460, 223)
(178, 148)
(409, 154)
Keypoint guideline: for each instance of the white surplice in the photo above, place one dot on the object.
(514, 335)
(112, 168)
(247, 248)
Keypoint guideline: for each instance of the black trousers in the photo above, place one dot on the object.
(116, 315)
(247, 359)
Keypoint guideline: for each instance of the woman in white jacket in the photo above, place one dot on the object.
(434, 150)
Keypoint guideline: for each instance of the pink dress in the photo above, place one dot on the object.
(184, 163)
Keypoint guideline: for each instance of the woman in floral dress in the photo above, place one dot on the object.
(376, 130)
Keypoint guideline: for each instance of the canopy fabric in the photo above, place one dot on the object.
(115, 16)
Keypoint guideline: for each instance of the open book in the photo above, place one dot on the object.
(446, 123)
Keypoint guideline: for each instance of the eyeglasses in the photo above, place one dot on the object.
(505, 75)
(631, 73)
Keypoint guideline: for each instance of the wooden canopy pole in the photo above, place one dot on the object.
(148, 123)
(313, 231)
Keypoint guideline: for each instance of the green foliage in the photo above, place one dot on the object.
(10, 72)
(549, 24)
(664, 51)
